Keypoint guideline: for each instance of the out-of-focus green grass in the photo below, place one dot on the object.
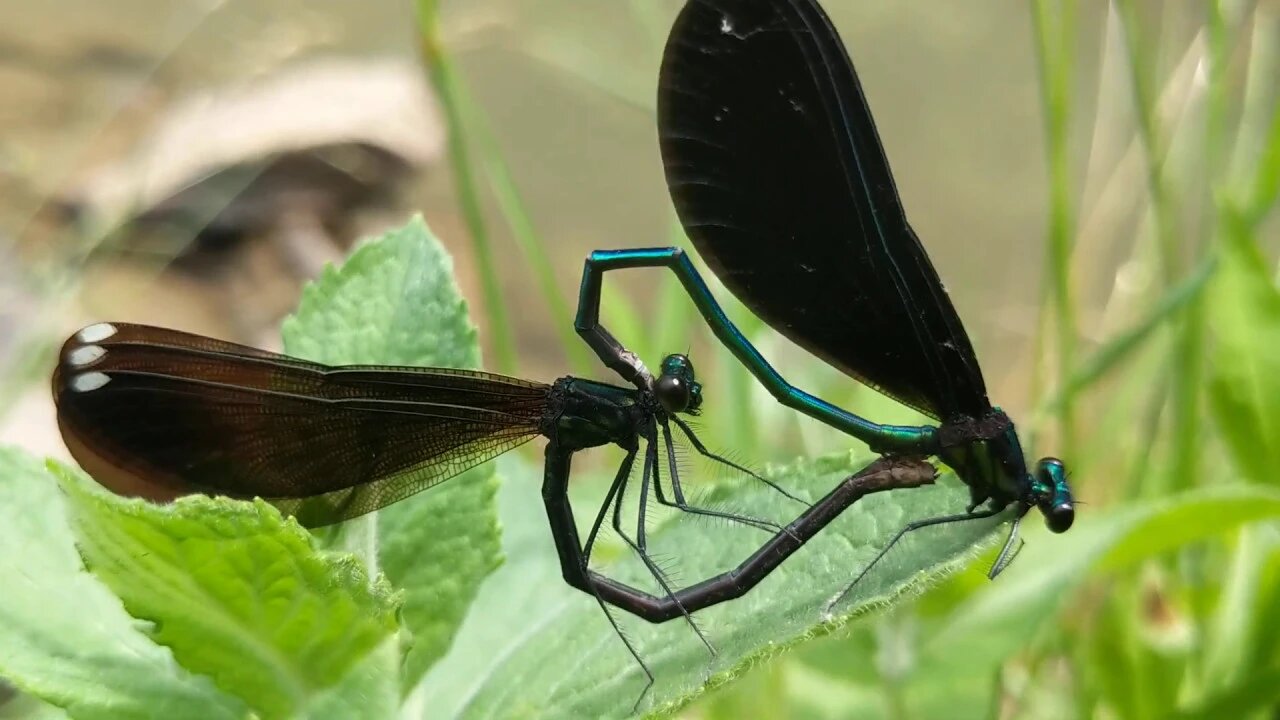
(1173, 407)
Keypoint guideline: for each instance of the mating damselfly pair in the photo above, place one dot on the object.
(780, 181)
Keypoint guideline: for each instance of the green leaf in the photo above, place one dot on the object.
(26, 707)
(553, 654)
(1245, 387)
(394, 302)
(992, 625)
(370, 690)
(66, 640)
(234, 590)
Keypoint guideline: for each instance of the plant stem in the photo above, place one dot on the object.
(447, 86)
(522, 229)
(1185, 354)
(1053, 34)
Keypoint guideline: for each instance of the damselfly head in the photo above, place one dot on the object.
(676, 387)
(1052, 494)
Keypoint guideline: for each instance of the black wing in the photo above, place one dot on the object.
(158, 413)
(779, 178)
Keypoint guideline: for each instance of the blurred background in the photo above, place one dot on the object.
(1076, 173)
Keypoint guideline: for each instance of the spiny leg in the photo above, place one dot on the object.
(619, 480)
(1009, 551)
(678, 492)
(653, 568)
(909, 528)
(697, 445)
(642, 505)
(617, 629)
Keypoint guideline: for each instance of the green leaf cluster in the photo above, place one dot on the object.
(210, 607)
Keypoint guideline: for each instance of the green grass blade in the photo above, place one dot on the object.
(527, 237)
(1054, 31)
(1262, 194)
(448, 84)
(1245, 385)
(1105, 359)
(1257, 694)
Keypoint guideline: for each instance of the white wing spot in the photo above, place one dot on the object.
(88, 382)
(85, 355)
(726, 26)
(96, 333)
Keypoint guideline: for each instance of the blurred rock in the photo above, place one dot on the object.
(254, 188)
(362, 118)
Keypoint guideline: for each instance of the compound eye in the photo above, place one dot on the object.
(673, 392)
(1049, 469)
(1060, 517)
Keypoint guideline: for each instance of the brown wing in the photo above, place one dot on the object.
(158, 413)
